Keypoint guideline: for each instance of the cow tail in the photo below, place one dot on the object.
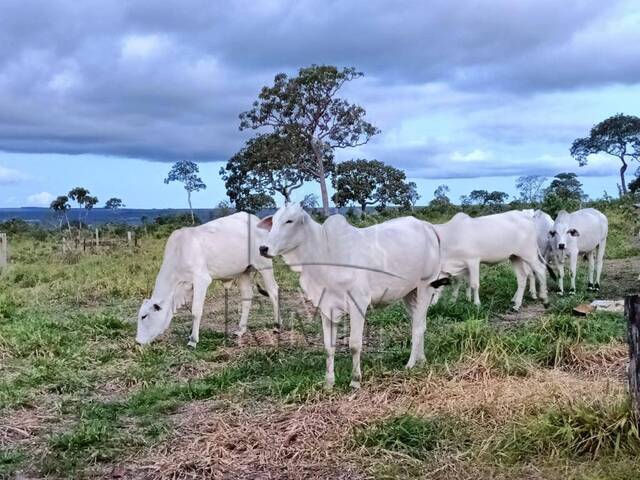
(439, 282)
(552, 274)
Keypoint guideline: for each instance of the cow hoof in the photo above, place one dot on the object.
(239, 333)
(514, 309)
(355, 384)
(561, 294)
(590, 287)
(192, 344)
(596, 287)
(546, 304)
(572, 292)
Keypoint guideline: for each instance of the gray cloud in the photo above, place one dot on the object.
(166, 80)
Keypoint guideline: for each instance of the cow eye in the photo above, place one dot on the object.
(289, 221)
(143, 317)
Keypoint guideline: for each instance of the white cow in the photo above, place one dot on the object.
(345, 269)
(579, 233)
(467, 242)
(225, 249)
(544, 224)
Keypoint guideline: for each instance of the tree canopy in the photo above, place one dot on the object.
(306, 108)
(255, 202)
(564, 193)
(530, 188)
(371, 182)
(114, 204)
(618, 136)
(268, 164)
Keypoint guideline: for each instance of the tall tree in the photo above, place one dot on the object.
(530, 188)
(89, 203)
(371, 182)
(563, 193)
(114, 204)
(306, 107)
(268, 164)
(618, 136)
(60, 206)
(440, 198)
(186, 172)
(79, 195)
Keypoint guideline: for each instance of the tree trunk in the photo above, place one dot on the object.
(193, 218)
(66, 217)
(321, 178)
(632, 313)
(287, 196)
(623, 184)
(363, 208)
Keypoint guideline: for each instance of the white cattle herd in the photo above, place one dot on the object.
(344, 269)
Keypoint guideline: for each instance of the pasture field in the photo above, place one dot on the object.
(536, 395)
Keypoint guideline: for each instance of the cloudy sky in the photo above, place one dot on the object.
(105, 94)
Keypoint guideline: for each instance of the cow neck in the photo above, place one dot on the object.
(310, 251)
(165, 284)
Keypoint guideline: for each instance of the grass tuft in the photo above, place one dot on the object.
(578, 429)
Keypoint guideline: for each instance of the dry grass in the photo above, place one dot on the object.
(312, 440)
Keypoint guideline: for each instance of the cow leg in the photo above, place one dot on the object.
(457, 283)
(200, 286)
(532, 286)
(599, 262)
(560, 268)
(246, 296)
(592, 261)
(521, 277)
(473, 269)
(357, 312)
(272, 289)
(418, 302)
(573, 264)
(329, 331)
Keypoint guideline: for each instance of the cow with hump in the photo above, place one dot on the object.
(344, 270)
(225, 249)
(583, 232)
(467, 242)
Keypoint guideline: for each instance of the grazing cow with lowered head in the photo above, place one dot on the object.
(467, 242)
(225, 249)
(344, 270)
(579, 233)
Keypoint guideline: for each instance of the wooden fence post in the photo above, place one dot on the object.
(130, 238)
(632, 314)
(97, 237)
(3, 250)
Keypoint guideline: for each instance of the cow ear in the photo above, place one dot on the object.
(266, 223)
(574, 233)
(157, 307)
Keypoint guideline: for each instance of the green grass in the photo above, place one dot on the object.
(411, 435)
(577, 430)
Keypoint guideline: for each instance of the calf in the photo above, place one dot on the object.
(225, 249)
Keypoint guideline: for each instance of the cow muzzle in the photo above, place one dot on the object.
(561, 246)
(264, 251)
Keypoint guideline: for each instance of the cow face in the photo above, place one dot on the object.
(562, 235)
(286, 230)
(153, 319)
